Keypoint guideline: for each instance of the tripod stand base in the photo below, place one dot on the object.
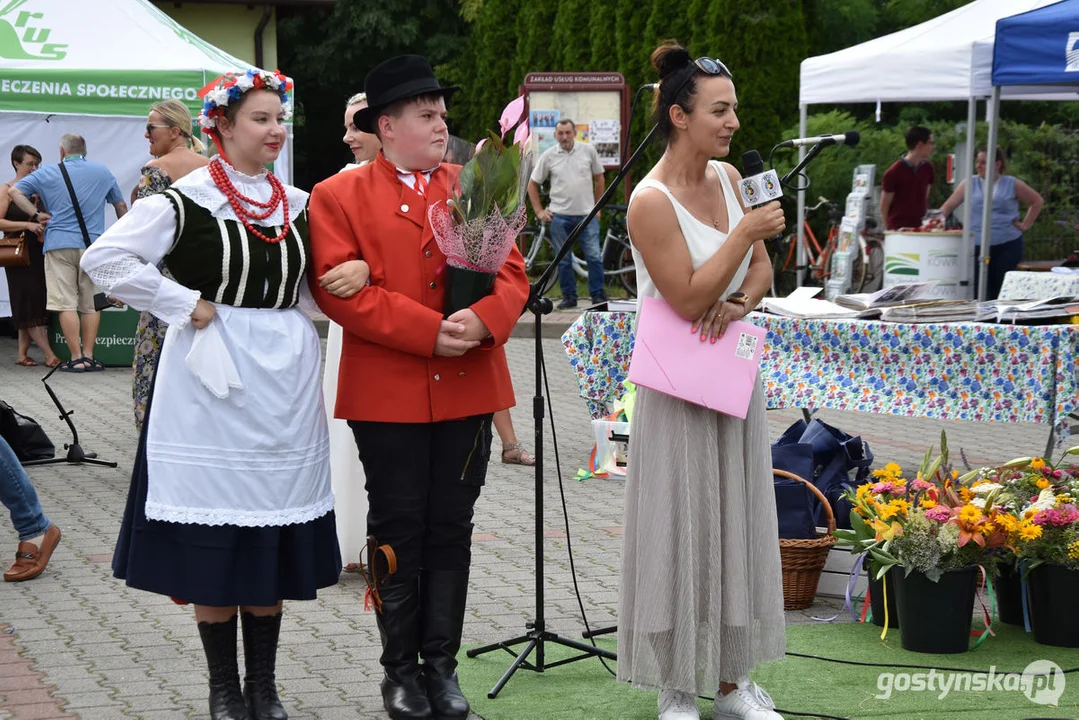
(536, 639)
(75, 455)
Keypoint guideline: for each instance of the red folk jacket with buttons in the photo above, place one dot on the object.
(388, 371)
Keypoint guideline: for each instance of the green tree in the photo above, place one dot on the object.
(329, 51)
(570, 37)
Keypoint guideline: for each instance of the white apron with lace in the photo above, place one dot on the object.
(237, 432)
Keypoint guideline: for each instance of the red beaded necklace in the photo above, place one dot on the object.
(237, 200)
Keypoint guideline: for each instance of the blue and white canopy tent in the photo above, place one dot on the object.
(947, 58)
(1035, 53)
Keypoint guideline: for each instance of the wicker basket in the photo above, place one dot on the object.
(803, 560)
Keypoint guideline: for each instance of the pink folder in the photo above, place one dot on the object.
(668, 358)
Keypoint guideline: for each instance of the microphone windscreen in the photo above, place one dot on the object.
(853, 137)
(752, 164)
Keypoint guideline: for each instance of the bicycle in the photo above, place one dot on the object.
(867, 266)
(615, 251)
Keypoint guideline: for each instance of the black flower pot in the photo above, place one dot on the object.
(1008, 586)
(936, 617)
(465, 287)
(876, 601)
(1053, 590)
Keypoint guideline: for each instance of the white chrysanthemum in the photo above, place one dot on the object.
(286, 108)
(244, 82)
(986, 488)
(978, 502)
(218, 96)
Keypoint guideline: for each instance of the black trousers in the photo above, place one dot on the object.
(422, 481)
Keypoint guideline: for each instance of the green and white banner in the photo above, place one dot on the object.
(89, 92)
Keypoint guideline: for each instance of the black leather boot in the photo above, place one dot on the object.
(219, 643)
(260, 661)
(404, 693)
(443, 595)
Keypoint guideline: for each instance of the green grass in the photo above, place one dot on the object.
(585, 691)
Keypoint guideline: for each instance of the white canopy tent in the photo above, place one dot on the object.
(944, 59)
(94, 69)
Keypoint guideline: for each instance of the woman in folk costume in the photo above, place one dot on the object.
(230, 503)
(418, 389)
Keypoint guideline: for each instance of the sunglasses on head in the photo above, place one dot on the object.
(708, 66)
(711, 66)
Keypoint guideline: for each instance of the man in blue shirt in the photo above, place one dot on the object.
(70, 291)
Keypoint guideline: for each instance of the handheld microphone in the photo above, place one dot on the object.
(849, 138)
(757, 186)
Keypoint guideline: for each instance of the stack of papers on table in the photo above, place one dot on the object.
(802, 304)
(898, 295)
(932, 312)
(1013, 311)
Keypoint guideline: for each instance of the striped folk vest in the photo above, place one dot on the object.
(228, 265)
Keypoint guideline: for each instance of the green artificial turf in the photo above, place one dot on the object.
(586, 691)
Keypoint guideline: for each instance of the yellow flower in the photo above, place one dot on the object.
(1064, 499)
(886, 512)
(1073, 550)
(1008, 523)
(955, 474)
(1037, 464)
(965, 494)
(884, 530)
(863, 490)
(901, 506)
(987, 529)
(893, 468)
(928, 503)
(1042, 483)
(1029, 531)
(970, 514)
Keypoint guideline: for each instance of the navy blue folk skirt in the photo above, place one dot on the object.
(223, 565)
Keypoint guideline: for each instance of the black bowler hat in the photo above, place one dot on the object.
(398, 78)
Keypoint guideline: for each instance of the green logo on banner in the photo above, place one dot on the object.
(902, 264)
(23, 38)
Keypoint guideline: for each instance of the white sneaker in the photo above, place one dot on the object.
(677, 705)
(748, 702)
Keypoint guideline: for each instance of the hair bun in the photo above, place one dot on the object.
(670, 57)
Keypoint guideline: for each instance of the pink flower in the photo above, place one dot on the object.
(1057, 517)
(918, 485)
(883, 487)
(939, 514)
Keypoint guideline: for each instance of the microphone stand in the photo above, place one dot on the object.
(75, 454)
(537, 636)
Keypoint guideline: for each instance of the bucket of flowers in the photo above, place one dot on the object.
(1042, 497)
(931, 537)
(477, 227)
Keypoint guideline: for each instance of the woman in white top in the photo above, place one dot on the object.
(701, 598)
(350, 498)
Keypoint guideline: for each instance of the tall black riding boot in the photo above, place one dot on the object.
(260, 661)
(403, 691)
(443, 596)
(219, 643)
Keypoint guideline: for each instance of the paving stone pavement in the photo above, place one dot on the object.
(76, 643)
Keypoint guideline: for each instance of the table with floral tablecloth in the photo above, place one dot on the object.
(979, 372)
(1038, 285)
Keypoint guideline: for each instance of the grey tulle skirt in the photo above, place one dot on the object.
(701, 598)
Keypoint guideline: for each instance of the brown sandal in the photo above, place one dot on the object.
(26, 362)
(517, 455)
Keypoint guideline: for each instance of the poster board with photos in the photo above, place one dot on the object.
(595, 102)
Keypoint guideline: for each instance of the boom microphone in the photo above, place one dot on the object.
(849, 138)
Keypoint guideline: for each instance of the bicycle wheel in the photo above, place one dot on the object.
(867, 275)
(526, 243)
(784, 277)
(627, 271)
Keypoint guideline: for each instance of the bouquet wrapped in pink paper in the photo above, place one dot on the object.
(477, 227)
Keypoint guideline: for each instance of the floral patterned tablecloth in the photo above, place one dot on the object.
(959, 371)
(1038, 285)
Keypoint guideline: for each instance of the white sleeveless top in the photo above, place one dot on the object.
(702, 240)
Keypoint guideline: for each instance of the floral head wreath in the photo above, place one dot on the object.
(230, 88)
